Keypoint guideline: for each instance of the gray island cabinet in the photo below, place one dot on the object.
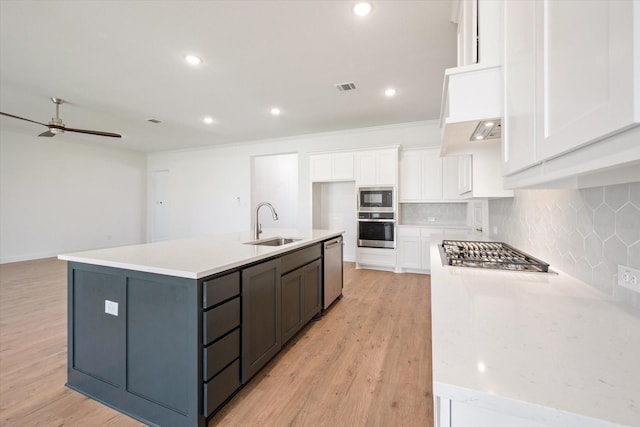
(170, 350)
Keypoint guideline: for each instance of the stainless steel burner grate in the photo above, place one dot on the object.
(495, 255)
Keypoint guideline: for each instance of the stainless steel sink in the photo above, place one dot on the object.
(274, 241)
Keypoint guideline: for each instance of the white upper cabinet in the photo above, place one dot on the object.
(572, 88)
(376, 167)
(465, 175)
(420, 175)
(410, 164)
(450, 180)
(331, 167)
(585, 75)
(427, 177)
(518, 132)
(480, 176)
(478, 35)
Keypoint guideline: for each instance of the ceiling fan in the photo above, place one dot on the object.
(56, 126)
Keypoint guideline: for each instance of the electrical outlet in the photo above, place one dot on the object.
(111, 307)
(629, 278)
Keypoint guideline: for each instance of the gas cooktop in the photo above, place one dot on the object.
(492, 255)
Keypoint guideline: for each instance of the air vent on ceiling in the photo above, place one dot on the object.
(153, 120)
(343, 87)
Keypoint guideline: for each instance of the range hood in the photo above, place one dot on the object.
(471, 110)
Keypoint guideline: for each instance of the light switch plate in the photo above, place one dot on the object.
(111, 307)
(629, 278)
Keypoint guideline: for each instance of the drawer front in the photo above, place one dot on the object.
(216, 290)
(220, 320)
(221, 387)
(220, 354)
(408, 232)
(299, 258)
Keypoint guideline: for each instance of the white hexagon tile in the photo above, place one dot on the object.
(585, 233)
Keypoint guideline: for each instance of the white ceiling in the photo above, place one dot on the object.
(120, 63)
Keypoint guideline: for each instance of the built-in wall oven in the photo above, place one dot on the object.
(377, 230)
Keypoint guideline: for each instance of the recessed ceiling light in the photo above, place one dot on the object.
(390, 92)
(275, 111)
(362, 8)
(193, 60)
(208, 120)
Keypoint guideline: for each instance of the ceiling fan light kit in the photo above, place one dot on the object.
(56, 125)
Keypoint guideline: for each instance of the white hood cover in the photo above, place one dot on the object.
(472, 94)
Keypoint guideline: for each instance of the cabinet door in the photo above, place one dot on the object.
(260, 316)
(585, 78)
(409, 252)
(386, 167)
(300, 298)
(291, 294)
(366, 168)
(450, 177)
(320, 167)
(518, 130)
(431, 175)
(342, 168)
(410, 175)
(465, 177)
(311, 290)
(425, 253)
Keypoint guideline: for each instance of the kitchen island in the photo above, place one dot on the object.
(167, 332)
(530, 350)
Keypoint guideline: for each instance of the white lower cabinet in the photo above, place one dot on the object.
(413, 249)
(376, 258)
(451, 413)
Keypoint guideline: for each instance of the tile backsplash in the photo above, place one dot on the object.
(433, 213)
(585, 233)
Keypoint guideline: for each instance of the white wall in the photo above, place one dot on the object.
(274, 179)
(60, 195)
(210, 187)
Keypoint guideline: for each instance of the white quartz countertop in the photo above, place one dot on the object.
(198, 257)
(547, 345)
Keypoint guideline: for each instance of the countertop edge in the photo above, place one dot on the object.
(552, 417)
(92, 257)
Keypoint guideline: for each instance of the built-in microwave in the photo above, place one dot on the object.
(376, 199)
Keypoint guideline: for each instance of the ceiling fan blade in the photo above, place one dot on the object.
(93, 132)
(21, 118)
(47, 133)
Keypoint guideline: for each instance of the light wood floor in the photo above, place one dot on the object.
(367, 362)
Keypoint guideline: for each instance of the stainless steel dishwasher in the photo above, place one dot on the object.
(332, 271)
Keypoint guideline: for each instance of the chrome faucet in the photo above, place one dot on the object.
(256, 227)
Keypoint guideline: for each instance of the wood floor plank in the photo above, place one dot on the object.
(367, 362)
